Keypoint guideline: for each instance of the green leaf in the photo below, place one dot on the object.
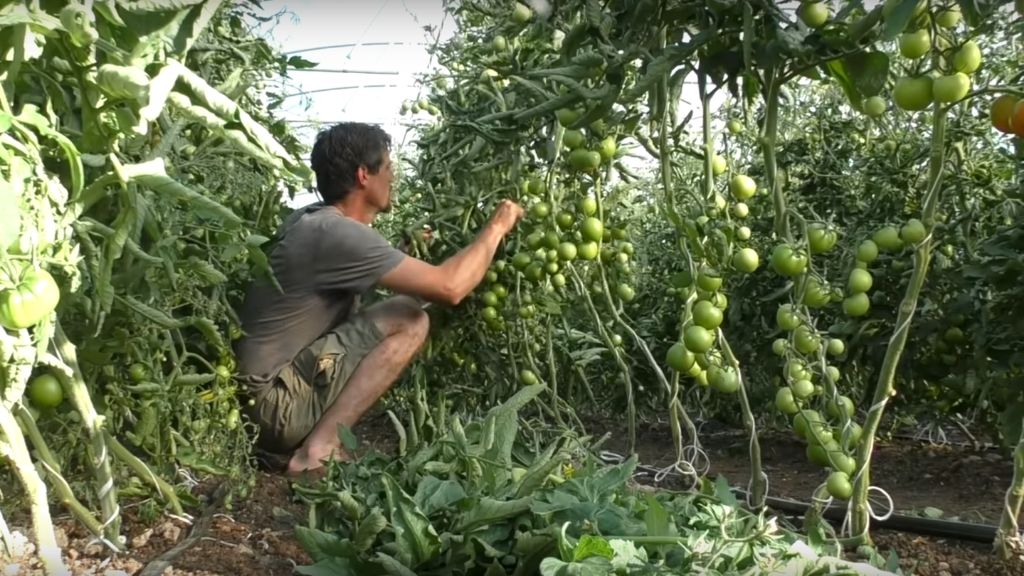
(898, 19)
(10, 215)
(193, 24)
(531, 549)
(627, 556)
(593, 566)
(656, 518)
(391, 565)
(416, 537)
(322, 545)
(591, 546)
(348, 438)
(489, 511)
(1010, 421)
(300, 63)
(837, 70)
(601, 484)
(152, 175)
(932, 512)
(869, 72)
(495, 569)
(435, 495)
(724, 492)
(330, 567)
(369, 528)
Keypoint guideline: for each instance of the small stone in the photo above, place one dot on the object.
(142, 539)
(62, 538)
(960, 566)
(943, 566)
(170, 531)
(94, 550)
(945, 573)
(72, 554)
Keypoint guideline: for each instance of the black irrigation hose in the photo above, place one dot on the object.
(985, 533)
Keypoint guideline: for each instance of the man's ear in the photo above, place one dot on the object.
(362, 175)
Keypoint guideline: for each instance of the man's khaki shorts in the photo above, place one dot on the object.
(287, 410)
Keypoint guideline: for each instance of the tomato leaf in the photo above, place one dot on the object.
(593, 566)
(369, 528)
(10, 215)
(591, 546)
(418, 540)
(898, 19)
(1010, 421)
(322, 545)
(868, 71)
(435, 495)
(489, 511)
(300, 63)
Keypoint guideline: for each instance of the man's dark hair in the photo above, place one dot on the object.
(338, 153)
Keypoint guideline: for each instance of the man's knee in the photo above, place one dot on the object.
(400, 314)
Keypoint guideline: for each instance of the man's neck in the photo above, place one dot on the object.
(357, 209)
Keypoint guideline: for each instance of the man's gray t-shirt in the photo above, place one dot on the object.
(323, 261)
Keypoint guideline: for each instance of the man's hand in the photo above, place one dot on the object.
(506, 215)
(426, 235)
(457, 276)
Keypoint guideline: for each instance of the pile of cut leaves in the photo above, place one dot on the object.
(478, 501)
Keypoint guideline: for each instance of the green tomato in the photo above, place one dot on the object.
(707, 315)
(45, 391)
(787, 261)
(679, 358)
(742, 187)
(786, 318)
(34, 297)
(138, 372)
(697, 339)
(860, 281)
(967, 59)
(746, 260)
(913, 231)
(867, 251)
(821, 238)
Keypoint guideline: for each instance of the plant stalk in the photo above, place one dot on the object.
(860, 514)
(1008, 540)
(99, 457)
(16, 451)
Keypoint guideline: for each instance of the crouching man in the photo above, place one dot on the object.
(311, 358)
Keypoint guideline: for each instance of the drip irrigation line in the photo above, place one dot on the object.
(984, 533)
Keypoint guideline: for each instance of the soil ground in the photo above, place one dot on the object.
(257, 538)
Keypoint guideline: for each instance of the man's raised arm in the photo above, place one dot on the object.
(453, 280)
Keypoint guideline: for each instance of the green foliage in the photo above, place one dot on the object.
(456, 507)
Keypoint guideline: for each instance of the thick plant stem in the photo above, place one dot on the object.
(96, 447)
(768, 138)
(623, 367)
(758, 479)
(552, 371)
(1008, 541)
(60, 485)
(142, 471)
(15, 450)
(860, 517)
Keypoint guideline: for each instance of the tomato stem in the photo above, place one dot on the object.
(52, 467)
(769, 136)
(16, 451)
(1008, 541)
(860, 517)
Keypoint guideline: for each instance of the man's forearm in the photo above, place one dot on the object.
(467, 268)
